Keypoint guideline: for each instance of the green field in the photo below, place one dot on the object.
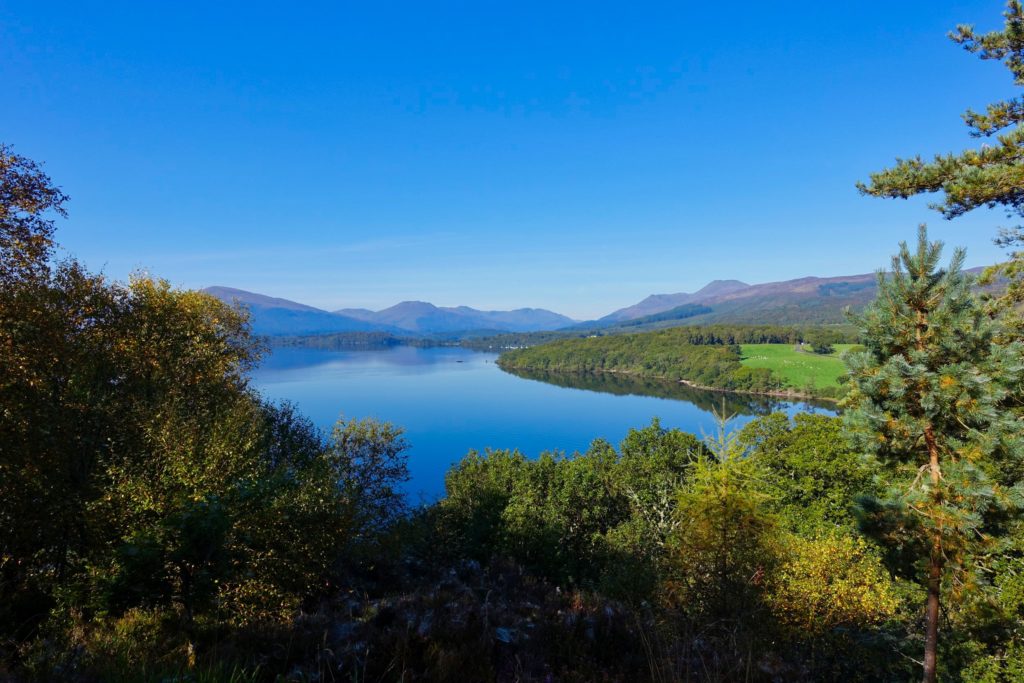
(798, 368)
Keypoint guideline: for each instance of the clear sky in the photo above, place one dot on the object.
(572, 156)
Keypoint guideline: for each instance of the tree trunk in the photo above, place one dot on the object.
(931, 638)
(935, 566)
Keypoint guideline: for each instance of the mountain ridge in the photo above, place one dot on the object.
(852, 290)
(803, 300)
(809, 299)
(246, 297)
(273, 316)
(657, 303)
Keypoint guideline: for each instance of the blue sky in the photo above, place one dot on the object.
(572, 156)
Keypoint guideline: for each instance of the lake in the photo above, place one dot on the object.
(452, 400)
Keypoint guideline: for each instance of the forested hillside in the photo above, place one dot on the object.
(709, 357)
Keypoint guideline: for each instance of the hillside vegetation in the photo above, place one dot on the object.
(743, 359)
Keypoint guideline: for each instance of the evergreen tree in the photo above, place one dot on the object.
(927, 400)
(991, 176)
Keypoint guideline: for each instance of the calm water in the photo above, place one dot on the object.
(452, 400)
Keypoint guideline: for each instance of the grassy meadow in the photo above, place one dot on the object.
(797, 368)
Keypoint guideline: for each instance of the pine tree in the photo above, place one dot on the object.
(990, 176)
(927, 400)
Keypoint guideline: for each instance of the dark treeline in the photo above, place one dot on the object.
(517, 340)
(351, 340)
(706, 334)
(731, 335)
(491, 341)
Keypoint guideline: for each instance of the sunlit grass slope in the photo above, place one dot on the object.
(797, 368)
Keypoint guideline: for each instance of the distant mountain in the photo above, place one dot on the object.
(807, 300)
(280, 317)
(230, 294)
(426, 318)
(657, 303)
(804, 300)
(271, 316)
(670, 316)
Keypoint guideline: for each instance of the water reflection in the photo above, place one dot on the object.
(296, 358)
(625, 385)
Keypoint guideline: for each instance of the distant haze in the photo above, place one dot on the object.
(276, 316)
(799, 301)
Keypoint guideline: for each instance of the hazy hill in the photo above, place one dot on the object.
(423, 317)
(271, 316)
(656, 303)
(230, 294)
(280, 317)
(804, 300)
